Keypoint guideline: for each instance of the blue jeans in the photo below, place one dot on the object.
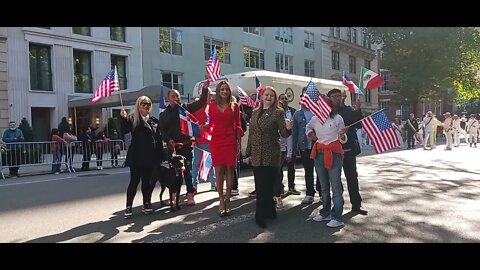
(197, 155)
(57, 159)
(331, 177)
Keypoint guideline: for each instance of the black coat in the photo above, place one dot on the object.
(146, 147)
(351, 116)
(169, 121)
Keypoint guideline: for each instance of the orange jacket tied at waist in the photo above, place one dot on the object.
(328, 150)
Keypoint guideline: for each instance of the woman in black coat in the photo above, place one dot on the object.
(144, 153)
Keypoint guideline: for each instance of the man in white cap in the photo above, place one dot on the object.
(448, 130)
(472, 130)
(429, 125)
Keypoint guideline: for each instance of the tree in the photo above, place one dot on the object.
(26, 129)
(429, 60)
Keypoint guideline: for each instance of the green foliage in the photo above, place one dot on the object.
(27, 130)
(429, 60)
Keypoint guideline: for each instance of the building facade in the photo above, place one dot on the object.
(47, 66)
(4, 116)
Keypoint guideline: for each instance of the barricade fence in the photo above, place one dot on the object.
(37, 157)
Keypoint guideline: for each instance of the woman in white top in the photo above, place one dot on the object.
(327, 153)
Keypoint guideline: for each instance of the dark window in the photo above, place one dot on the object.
(117, 33)
(120, 62)
(40, 67)
(81, 31)
(82, 71)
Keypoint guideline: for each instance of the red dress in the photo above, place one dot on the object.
(224, 126)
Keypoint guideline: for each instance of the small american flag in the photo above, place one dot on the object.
(213, 66)
(380, 132)
(107, 86)
(244, 98)
(315, 102)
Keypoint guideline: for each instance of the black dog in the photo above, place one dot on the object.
(171, 178)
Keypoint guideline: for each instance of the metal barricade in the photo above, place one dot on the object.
(100, 152)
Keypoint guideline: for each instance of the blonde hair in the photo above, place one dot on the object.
(219, 100)
(275, 103)
(136, 111)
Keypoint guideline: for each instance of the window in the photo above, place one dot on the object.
(81, 31)
(337, 32)
(173, 80)
(384, 105)
(309, 68)
(368, 95)
(335, 60)
(82, 71)
(309, 40)
(366, 41)
(284, 34)
(367, 64)
(254, 58)
(386, 77)
(349, 33)
(254, 30)
(40, 67)
(117, 33)
(332, 31)
(352, 64)
(354, 36)
(121, 63)
(222, 47)
(170, 41)
(284, 63)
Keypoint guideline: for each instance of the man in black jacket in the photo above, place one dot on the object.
(352, 150)
(169, 122)
(412, 128)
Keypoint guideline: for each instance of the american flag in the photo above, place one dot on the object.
(380, 131)
(213, 66)
(205, 165)
(107, 86)
(244, 98)
(259, 88)
(315, 102)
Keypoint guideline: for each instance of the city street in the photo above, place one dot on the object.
(411, 195)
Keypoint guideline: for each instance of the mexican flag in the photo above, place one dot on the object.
(369, 79)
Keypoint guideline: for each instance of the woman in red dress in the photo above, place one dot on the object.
(226, 134)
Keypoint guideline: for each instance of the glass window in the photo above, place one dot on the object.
(117, 33)
(222, 47)
(309, 68)
(368, 95)
(171, 41)
(352, 64)
(335, 60)
(173, 80)
(40, 67)
(81, 31)
(367, 64)
(284, 63)
(386, 77)
(309, 40)
(121, 63)
(254, 58)
(284, 34)
(337, 32)
(254, 30)
(82, 71)
(354, 35)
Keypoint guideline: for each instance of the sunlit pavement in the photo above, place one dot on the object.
(411, 195)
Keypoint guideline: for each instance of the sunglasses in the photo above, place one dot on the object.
(145, 104)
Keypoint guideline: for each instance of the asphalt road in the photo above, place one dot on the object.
(411, 195)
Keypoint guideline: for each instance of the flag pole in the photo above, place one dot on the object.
(365, 117)
(119, 92)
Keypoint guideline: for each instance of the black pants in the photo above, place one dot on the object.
(278, 187)
(137, 174)
(410, 140)
(187, 152)
(350, 170)
(236, 175)
(265, 177)
(308, 166)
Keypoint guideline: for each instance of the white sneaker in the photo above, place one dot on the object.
(321, 218)
(307, 200)
(335, 223)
